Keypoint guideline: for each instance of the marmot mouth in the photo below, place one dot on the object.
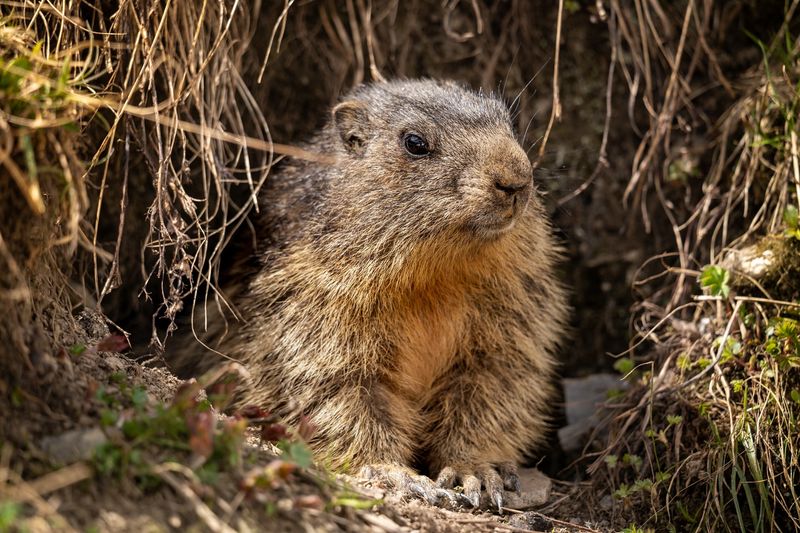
(491, 227)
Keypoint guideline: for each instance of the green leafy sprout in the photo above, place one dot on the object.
(716, 280)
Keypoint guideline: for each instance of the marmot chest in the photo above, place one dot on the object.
(429, 335)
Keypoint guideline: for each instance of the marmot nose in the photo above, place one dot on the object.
(511, 186)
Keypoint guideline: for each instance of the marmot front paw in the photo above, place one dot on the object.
(408, 484)
(494, 478)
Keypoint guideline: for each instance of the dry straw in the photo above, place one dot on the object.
(706, 433)
(157, 88)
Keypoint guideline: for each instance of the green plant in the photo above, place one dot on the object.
(624, 365)
(716, 280)
(9, 515)
(633, 460)
(792, 221)
(353, 500)
(188, 425)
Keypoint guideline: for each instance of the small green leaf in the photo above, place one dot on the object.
(684, 362)
(76, 349)
(37, 48)
(26, 145)
(208, 473)
(786, 329)
(611, 460)
(354, 502)
(624, 365)
(299, 454)
(613, 394)
(9, 513)
(63, 78)
(634, 460)
(795, 394)
(22, 63)
(791, 216)
(105, 397)
(17, 397)
(572, 6)
(674, 420)
(622, 492)
(139, 397)
(716, 280)
(108, 417)
(661, 477)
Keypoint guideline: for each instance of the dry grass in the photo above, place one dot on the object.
(165, 78)
(704, 439)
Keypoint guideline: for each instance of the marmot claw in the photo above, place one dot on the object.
(408, 484)
(492, 478)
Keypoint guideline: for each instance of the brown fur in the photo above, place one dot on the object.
(386, 305)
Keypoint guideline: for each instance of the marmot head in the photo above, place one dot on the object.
(430, 158)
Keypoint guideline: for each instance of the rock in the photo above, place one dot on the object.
(530, 521)
(93, 324)
(582, 397)
(752, 261)
(607, 502)
(534, 490)
(72, 446)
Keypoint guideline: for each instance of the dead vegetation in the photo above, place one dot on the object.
(136, 135)
(705, 438)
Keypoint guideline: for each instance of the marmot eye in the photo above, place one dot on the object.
(416, 145)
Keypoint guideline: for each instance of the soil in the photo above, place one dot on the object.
(76, 496)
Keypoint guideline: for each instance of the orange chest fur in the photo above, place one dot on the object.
(430, 335)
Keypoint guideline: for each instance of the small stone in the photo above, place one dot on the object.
(284, 504)
(93, 324)
(606, 502)
(534, 490)
(531, 522)
(582, 398)
(752, 261)
(73, 446)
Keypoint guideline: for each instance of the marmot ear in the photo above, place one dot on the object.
(352, 122)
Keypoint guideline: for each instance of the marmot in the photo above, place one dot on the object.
(404, 297)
